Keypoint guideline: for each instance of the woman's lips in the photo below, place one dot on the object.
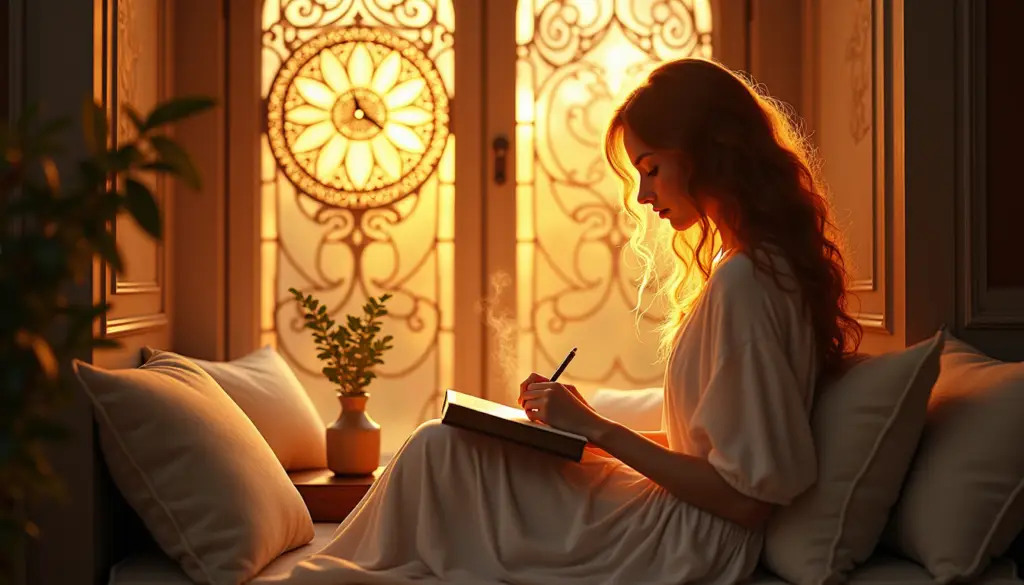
(663, 213)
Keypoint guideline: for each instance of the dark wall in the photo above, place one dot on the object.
(1003, 143)
(5, 55)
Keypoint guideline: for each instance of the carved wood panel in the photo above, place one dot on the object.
(990, 295)
(844, 109)
(136, 73)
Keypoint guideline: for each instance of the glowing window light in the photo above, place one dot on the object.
(359, 198)
(576, 60)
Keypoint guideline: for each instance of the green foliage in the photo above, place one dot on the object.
(350, 350)
(52, 228)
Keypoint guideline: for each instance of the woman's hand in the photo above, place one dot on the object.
(536, 378)
(559, 406)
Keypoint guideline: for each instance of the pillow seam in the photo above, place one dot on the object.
(867, 464)
(976, 563)
(145, 479)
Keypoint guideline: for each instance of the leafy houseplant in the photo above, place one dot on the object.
(350, 352)
(52, 228)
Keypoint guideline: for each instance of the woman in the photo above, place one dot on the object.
(758, 318)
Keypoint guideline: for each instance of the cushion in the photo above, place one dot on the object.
(269, 393)
(866, 426)
(195, 469)
(639, 410)
(963, 502)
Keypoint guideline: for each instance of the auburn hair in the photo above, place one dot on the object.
(742, 149)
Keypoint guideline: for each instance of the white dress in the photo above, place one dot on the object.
(455, 506)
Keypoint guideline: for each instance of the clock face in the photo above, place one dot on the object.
(358, 117)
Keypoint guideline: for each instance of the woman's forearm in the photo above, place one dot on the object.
(659, 437)
(691, 479)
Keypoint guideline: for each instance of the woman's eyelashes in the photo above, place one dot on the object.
(653, 172)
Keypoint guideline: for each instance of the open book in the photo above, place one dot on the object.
(497, 420)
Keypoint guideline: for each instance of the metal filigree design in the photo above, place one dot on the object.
(576, 61)
(346, 226)
(358, 117)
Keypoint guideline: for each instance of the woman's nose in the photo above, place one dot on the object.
(644, 197)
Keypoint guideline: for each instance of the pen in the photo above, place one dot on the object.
(564, 364)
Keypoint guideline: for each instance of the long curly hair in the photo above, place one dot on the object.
(743, 150)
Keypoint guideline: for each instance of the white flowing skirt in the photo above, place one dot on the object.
(457, 506)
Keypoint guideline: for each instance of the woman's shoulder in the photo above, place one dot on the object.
(747, 298)
(745, 276)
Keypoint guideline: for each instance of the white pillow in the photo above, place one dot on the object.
(963, 501)
(866, 426)
(195, 469)
(639, 410)
(269, 393)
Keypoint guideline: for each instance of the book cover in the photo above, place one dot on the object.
(497, 420)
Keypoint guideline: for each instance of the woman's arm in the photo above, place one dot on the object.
(690, 479)
(659, 437)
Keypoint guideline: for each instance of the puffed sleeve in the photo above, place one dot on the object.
(752, 415)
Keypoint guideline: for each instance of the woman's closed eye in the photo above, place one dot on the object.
(653, 172)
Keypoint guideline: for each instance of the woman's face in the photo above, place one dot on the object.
(663, 182)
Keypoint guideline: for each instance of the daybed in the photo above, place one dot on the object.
(921, 471)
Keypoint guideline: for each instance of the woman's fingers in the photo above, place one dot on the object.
(531, 379)
(536, 409)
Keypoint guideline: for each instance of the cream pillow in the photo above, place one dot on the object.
(639, 410)
(963, 502)
(269, 393)
(866, 427)
(195, 469)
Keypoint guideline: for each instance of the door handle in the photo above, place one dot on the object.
(500, 150)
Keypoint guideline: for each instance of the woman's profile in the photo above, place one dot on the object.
(757, 317)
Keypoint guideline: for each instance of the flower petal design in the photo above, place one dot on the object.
(359, 163)
(387, 156)
(387, 73)
(314, 137)
(403, 137)
(411, 116)
(315, 92)
(404, 93)
(360, 66)
(330, 157)
(334, 72)
(306, 115)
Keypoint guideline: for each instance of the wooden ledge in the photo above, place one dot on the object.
(329, 497)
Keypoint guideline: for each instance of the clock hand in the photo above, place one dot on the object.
(360, 110)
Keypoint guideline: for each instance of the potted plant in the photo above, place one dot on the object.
(350, 352)
(53, 227)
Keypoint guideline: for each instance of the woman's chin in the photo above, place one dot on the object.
(681, 224)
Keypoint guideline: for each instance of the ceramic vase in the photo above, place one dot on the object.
(353, 441)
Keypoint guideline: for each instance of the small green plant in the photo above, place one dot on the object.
(352, 349)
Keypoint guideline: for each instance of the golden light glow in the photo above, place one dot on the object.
(576, 60)
(359, 198)
(358, 117)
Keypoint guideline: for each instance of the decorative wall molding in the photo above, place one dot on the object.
(131, 325)
(859, 60)
(126, 92)
(980, 307)
(865, 55)
(122, 58)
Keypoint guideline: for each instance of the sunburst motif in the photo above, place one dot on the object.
(358, 121)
